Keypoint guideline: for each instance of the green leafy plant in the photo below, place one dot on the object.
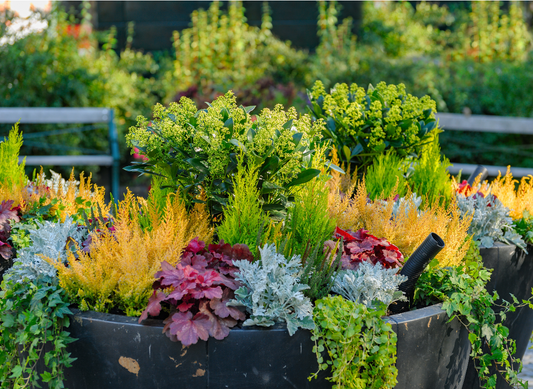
(220, 51)
(320, 268)
(360, 345)
(463, 293)
(196, 150)
(33, 318)
(524, 227)
(363, 124)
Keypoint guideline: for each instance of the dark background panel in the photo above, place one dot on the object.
(155, 21)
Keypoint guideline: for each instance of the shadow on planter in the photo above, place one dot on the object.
(115, 352)
(513, 270)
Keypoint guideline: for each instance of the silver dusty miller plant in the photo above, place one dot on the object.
(48, 239)
(491, 221)
(271, 291)
(369, 284)
(403, 203)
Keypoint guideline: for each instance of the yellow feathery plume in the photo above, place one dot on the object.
(119, 272)
(515, 195)
(408, 228)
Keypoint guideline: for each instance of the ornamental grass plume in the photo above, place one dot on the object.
(118, 272)
(515, 195)
(407, 227)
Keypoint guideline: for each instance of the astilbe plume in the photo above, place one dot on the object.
(118, 270)
(360, 246)
(70, 195)
(518, 198)
(408, 228)
(197, 290)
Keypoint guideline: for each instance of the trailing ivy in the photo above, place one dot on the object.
(361, 346)
(464, 295)
(32, 321)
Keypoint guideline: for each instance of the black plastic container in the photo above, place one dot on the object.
(414, 267)
(115, 352)
(480, 171)
(512, 274)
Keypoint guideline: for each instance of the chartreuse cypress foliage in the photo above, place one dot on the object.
(308, 220)
(430, 178)
(244, 219)
(385, 177)
(12, 176)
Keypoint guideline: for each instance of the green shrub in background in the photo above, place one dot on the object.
(473, 57)
(220, 51)
(62, 66)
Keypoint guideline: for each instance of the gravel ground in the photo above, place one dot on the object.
(527, 370)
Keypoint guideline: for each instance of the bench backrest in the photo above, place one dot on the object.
(484, 123)
(70, 116)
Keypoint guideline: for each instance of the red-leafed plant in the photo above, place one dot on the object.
(7, 213)
(360, 246)
(197, 290)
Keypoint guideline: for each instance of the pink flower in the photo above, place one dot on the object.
(137, 155)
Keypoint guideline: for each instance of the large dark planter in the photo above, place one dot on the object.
(512, 274)
(114, 352)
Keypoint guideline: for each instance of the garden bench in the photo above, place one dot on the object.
(485, 123)
(92, 118)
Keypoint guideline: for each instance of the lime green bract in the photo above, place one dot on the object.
(363, 124)
(195, 150)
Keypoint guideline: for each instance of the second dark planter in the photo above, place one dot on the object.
(512, 274)
(114, 352)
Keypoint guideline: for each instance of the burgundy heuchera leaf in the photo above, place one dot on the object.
(361, 246)
(197, 290)
(189, 329)
(154, 305)
(8, 212)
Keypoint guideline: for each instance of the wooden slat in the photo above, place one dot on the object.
(484, 123)
(54, 115)
(68, 160)
(468, 169)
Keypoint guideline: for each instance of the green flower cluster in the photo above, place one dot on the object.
(196, 150)
(363, 124)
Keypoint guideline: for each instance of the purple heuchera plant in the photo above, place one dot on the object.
(360, 246)
(197, 290)
(7, 213)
